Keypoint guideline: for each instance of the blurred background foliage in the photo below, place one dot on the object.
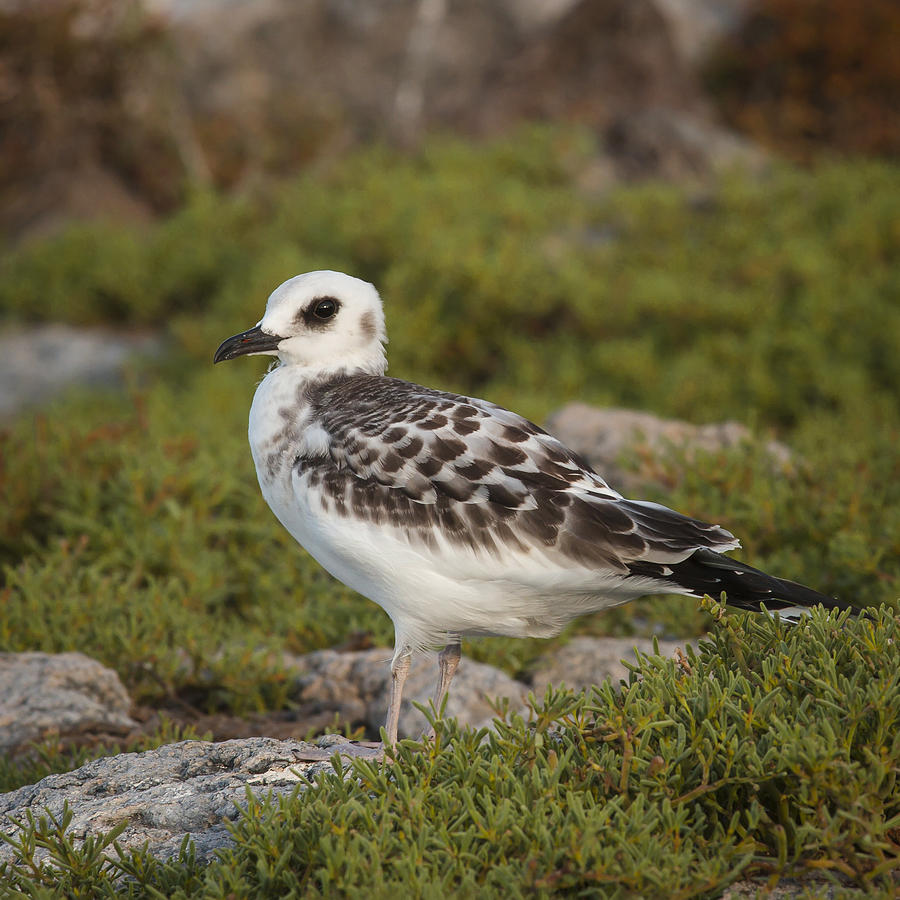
(614, 255)
(808, 75)
(121, 108)
(133, 528)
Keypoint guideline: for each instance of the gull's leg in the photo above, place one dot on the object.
(399, 671)
(448, 662)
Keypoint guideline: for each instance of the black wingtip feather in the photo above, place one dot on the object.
(707, 572)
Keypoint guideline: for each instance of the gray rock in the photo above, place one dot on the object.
(36, 363)
(410, 66)
(602, 436)
(697, 25)
(356, 686)
(58, 693)
(586, 661)
(188, 788)
(676, 145)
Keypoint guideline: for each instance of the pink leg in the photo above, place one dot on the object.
(448, 662)
(399, 671)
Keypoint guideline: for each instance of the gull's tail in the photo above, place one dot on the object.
(708, 572)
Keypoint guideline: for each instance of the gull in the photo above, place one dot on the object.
(455, 515)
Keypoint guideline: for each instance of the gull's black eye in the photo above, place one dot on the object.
(325, 309)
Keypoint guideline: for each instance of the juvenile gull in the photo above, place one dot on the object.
(456, 516)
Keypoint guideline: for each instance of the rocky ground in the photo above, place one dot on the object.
(37, 362)
(191, 787)
(74, 699)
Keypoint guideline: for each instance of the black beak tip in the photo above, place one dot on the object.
(222, 353)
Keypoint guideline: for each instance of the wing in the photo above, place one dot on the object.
(457, 470)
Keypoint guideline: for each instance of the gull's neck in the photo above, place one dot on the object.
(370, 361)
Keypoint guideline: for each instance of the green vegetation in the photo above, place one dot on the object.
(131, 526)
(772, 749)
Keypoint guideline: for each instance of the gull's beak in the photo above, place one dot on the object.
(254, 340)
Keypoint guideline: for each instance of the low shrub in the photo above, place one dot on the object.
(771, 750)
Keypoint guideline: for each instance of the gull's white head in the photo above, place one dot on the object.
(323, 321)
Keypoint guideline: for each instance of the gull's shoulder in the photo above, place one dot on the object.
(390, 427)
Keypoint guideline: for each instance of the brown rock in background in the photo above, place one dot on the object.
(88, 110)
(114, 109)
(586, 661)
